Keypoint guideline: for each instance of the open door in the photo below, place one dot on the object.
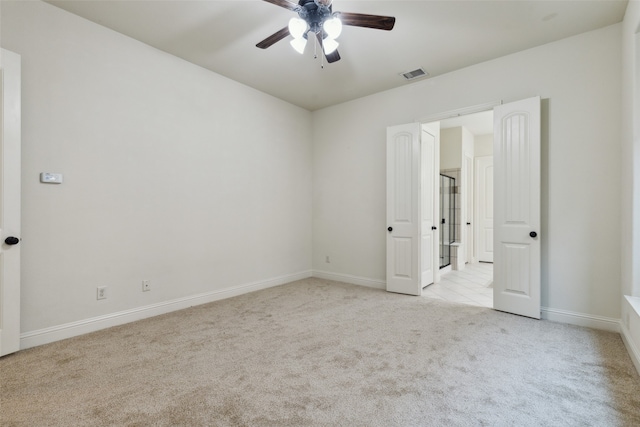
(403, 209)
(484, 217)
(469, 220)
(429, 189)
(411, 186)
(516, 283)
(9, 202)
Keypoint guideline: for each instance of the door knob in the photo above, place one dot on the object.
(468, 223)
(433, 227)
(11, 240)
(390, 229)
(533, 234)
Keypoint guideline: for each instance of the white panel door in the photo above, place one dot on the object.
(428, 213)
(516, 284)
(9, 202)
(468, 222)
(403, 209)
(484, 198)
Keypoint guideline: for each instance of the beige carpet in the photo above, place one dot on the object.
(322, 353)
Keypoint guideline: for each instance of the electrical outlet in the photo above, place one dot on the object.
(146, 285)
(327, 259)
(102, 292)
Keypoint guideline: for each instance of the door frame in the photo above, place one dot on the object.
(478, 109)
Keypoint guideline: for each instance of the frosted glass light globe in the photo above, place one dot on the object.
(299, 44)
(297, 27)
(333, 27)
(329, 45)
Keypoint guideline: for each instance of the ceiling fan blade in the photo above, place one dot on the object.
(284, 3)
(333, 56)
(273, 38)
(369, 21)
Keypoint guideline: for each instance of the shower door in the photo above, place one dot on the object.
(447, 212)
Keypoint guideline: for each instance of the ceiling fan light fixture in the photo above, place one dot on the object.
(316, 17)
(333, 27)
(297, 27)
(329, 45)
(299, 44)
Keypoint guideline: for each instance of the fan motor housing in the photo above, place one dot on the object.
(314, 14)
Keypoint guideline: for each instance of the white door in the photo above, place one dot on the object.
(429, 190)
(468, 221)
(403, 209)
(9, 202)
(516, 284)
(484, 198)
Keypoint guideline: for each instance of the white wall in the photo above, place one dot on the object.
(178, 175)
(631, 150)
(630, 180)
(579, 81)
(171, 173)
(451, 148)
(483, 145)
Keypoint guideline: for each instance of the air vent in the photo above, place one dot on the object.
(415, 74)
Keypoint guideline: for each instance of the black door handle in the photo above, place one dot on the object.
(468, 223)
(390, 229)
(533, 234)
(11, 240)
(433, 227)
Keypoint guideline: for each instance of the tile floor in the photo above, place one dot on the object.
(468, 286)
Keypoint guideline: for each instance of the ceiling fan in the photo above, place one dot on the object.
(317, 17)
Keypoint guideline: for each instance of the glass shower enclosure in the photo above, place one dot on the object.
(447, 214)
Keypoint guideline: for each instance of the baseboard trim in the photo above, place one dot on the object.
(552, 314)
(581, 319)
(347, 278)
(72, 329)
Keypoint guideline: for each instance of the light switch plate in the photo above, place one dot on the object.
(51, 178)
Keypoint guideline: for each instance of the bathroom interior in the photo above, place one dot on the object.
(465, 226)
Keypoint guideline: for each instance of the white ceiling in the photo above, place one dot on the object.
(440, 36)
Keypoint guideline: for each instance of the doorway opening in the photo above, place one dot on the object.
(466, 211)
(412, 209)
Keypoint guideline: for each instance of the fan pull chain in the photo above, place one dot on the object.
(316, 42)
(315, 48)
(319, 42)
